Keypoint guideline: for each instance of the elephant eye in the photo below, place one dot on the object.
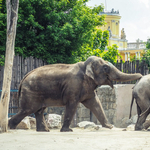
(106, 69)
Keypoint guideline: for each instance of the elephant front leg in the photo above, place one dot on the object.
(69, 113)
(96, 108)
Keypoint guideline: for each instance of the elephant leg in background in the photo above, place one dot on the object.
(96, 107)
(69, 113)
(40, 120)
(146, 124)
(16, 119)
(142, 116)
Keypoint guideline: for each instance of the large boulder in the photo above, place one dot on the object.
(88, 125)
(53, 121)
(32, 122)
(24, 124)
(27, 123)
(84, 124)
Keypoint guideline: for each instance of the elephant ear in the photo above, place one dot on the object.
(89, 71)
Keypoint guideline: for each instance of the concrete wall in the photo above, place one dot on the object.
(116, 103)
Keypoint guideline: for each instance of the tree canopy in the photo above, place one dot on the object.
(57, 31)
(146, 54)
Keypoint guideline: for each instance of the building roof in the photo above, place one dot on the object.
(111, 12)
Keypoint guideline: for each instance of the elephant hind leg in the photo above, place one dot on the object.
(40, 121)
(142, 118)
(69, 113)
(16, 119)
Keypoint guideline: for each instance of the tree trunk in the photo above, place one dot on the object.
(12, 16)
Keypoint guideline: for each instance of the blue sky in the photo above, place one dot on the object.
(135, 16)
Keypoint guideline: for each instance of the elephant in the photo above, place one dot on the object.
(66, 85)
(141, 94)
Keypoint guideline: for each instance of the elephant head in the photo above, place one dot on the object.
(103, 72)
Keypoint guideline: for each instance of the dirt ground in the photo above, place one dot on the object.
(80, 139)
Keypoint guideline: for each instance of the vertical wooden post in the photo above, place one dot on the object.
(12, 16)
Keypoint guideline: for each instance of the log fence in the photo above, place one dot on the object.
(22, 66)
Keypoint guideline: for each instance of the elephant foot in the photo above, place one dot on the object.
(43, 130)
(11, 125)
(110, 126)
(38, 130)
(138, 127)
(66, 130)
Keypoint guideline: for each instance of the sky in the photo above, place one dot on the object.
(135, 16)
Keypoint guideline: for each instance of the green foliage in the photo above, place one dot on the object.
(98, 42)
(146, 54)
(56, 31)
(3, 18)
(148, 44)
(133, 59)
(63, 31)
(0, 5)
(112, 54)
(146, 57)
(2, 60)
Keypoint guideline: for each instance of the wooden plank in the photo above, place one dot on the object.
(137, 66)
(25, 67)
(18, 68)
(22, 67)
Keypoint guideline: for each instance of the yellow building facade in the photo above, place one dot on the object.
(118, 37)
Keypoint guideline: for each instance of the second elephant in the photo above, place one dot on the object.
(141, 94)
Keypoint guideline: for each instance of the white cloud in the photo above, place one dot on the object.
(145, 2)
(131, 31)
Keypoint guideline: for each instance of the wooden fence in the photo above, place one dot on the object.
(22, 66)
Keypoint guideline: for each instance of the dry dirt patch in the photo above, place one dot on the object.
(80, 139)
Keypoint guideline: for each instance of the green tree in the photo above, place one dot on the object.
(3, 18)
(146, 54)
(0, 4)
(56, 31)
(148, 44)
(98, 42)
(110, 55)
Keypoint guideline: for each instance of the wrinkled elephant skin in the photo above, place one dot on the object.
(141, 93)
(66, 85)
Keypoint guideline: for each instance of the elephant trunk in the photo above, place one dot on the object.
(117, 75)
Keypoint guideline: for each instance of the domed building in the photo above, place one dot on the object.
(118, 37)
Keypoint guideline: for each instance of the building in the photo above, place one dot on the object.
(127, 50)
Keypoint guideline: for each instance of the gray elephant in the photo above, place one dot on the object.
(141, 93)
(66, 85)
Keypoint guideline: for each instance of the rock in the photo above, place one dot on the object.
(134, 119)
(32, 123)
(85, 124)
(24, 124)
(97, 127)
(53, 121)
(131, 127)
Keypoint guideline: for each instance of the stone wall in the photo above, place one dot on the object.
(116, 103)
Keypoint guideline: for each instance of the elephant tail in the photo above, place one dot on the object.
(132, 98)
(131, 105)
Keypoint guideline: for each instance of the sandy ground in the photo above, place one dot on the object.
(80, 139)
